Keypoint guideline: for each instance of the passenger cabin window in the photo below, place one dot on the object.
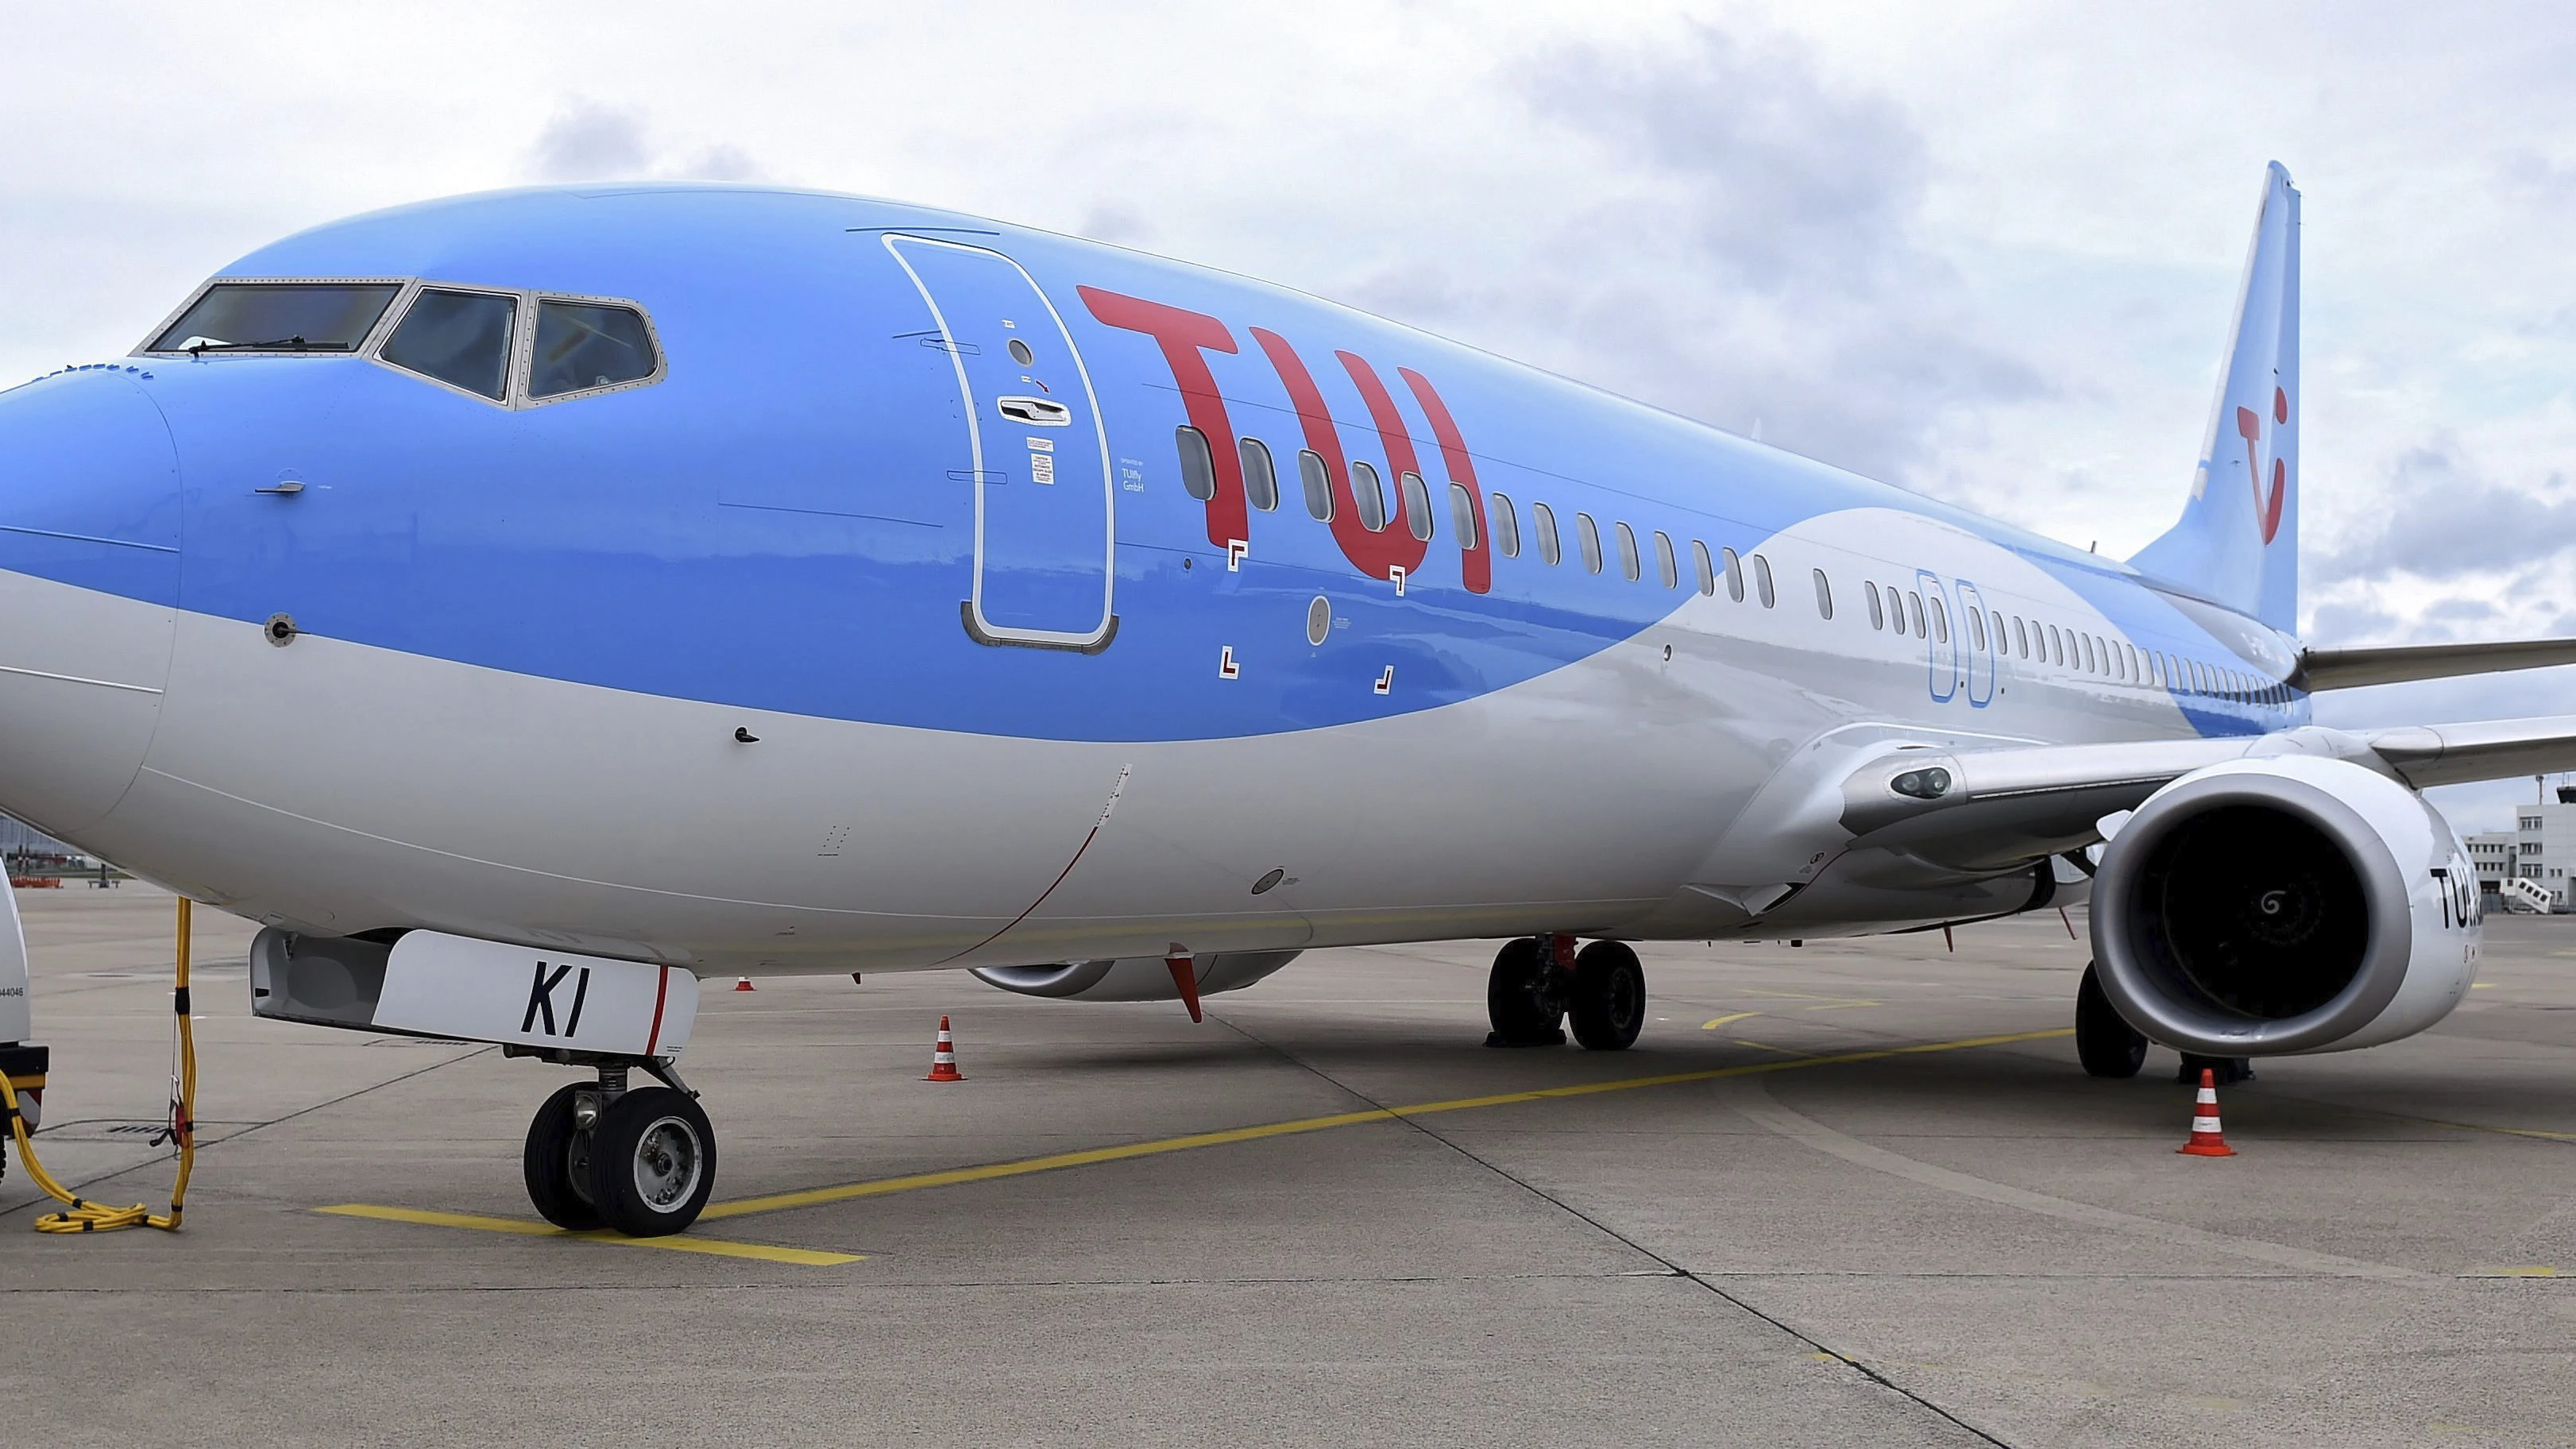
(1877, 615)
(1824, 595)
(1198, 468)
(1628, 561)
(1666, 568)
(1762, 581)
(1940, 621)
(1318, 483)
(1707, 574)
(1370, 495)
(1417, 505)
(279, 317)
(2021, 640)
(583, 345)
(1587, 536)
(1462, 515)
(1976, 630)
(1543, 519)
(1260, 476)
(1914, 609)
(1734, 575)
(1507, 527)
(458, 338)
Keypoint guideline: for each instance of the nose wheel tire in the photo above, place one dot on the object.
(1525, 996)
(557, 1164)
(1609, 1005)
(2104, 1041)
(652, 1162)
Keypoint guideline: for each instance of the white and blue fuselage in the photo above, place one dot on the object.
(952, 594)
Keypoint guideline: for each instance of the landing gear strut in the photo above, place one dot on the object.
(640, 1160)
(1535, 986)
(2104, 1041)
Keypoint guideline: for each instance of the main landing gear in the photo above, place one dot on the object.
(2104, 1041)
(2109, 1047)
(1538, 982)
(639, 1160)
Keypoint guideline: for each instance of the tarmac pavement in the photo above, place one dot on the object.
(1851, 1192)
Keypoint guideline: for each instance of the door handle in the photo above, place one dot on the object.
(283, 488)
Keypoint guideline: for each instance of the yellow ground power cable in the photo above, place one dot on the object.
(81, 1216)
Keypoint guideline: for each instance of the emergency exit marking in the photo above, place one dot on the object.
(1386, 681)
(1235, 549)
(1395, 575)
(1226, 668)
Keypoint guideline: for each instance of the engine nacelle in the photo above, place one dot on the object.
(1134, 978)
(2287, 904)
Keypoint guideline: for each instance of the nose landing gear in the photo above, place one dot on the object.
(1539, 982)
(641, 1161)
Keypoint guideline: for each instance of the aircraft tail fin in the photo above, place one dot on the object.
(2237, 543)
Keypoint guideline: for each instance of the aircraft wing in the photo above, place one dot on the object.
(2320, 669)
(1998, 808)
(2495, 749)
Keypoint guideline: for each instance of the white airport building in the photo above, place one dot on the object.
(2541, 849)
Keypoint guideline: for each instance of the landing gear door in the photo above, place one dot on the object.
(1037, 455)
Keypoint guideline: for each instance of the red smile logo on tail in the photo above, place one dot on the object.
(2249, 424)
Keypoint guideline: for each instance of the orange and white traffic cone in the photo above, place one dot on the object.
(742, 983)
(2206, 1139)
(943, 1058)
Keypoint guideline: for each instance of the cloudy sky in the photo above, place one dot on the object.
(1984, 250)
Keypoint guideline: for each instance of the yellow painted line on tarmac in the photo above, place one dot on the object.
(1723, 1020)
(713, 1247)
(988, 1172)
(2511, 1273)
(1830, 1002)
(2502, 1131)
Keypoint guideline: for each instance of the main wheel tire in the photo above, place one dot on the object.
(557, 1164)
(1521, 996)
(652, 1162)
(1609, 1006)
(2104, 1041)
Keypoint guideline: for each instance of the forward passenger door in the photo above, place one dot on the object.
(1036, 454)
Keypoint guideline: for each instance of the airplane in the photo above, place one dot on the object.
(529, 604)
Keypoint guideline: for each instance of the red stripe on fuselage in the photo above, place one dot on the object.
(1375, 553)
(1477, 562)
(1183, 335)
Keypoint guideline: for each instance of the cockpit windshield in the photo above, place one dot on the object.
(279, 317)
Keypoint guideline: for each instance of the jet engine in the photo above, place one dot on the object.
(2287, 904)
(1134, 978)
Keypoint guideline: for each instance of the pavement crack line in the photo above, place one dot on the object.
(1671, 1268)
(114, 1173)
(1749, 1097)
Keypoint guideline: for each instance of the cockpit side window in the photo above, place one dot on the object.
(582, 346)
(460, 338)
(278, 317)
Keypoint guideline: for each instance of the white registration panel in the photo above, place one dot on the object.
(443, 985)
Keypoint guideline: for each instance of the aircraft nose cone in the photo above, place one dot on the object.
(89, 582)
